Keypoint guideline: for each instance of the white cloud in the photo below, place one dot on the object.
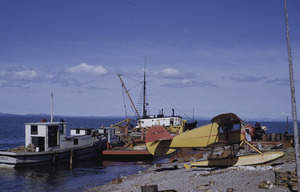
(190, 83)
(168, 73)
(18, 75)
(86, 68)
(245, 78)
(171, 73)
(278, 81)
(18, 78)
(26, 74)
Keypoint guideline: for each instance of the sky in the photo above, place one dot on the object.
(202, 57)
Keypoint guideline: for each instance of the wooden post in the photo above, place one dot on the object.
(71, 158)
(293, 97)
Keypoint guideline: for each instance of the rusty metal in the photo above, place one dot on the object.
(187, 158)
(116, 181)
(172, 160)
(286, 179)
(198, 155)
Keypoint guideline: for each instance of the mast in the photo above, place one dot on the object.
(123, 85)
(51, 107)
(144, 91)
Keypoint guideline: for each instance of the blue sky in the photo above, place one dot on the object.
(214, 56)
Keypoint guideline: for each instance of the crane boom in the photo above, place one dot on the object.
(123, 85)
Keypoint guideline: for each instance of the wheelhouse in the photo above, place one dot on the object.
(45, 135)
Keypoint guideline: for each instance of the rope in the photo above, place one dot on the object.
(171, 103)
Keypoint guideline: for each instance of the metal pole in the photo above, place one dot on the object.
(293, 98)
(51, 106)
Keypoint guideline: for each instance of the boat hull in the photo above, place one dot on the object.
(238, 161)
(25, 159)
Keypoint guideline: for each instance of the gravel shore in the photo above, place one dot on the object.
(174, 177)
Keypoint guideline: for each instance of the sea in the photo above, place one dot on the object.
(83, 175)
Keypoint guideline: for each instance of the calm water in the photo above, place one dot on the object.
(84, 175)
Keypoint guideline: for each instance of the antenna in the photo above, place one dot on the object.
(51, 106)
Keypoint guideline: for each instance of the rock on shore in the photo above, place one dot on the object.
(175, 177)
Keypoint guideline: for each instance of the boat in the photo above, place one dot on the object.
(131, 139)
(175, 124)
(48, 143)
(122, 143)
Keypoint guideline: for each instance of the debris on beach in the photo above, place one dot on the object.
(206, 186)
(116, 181)
(266, 185)
(287, 178)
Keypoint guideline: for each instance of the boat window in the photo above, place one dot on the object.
(38, 142)
(88, 132)
(53, 136)
(61, 128)
(172, 121)
(77, 131)
(75, 141)
(34, 130)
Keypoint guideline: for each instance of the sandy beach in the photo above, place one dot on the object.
(174, 177)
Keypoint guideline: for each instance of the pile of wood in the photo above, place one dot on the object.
(29, 148)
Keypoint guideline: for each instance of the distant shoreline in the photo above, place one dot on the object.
(132, 117)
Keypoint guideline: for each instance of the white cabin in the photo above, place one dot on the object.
(111, 134)
(81, 131)
(162, 121)
(50, 136)
(45, 135)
